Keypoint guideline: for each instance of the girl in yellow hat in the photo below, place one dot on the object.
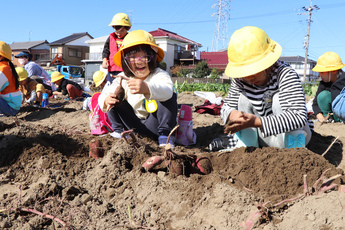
(150, 104)
(10, 95)
(121, 25)
(329, 65)
(266, 102)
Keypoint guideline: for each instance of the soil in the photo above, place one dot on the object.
(49, 181)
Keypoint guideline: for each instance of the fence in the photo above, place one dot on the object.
(200, 80)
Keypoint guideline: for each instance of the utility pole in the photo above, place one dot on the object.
(308, 9)
(221, 28)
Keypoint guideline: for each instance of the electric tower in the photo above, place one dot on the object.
(220, 36)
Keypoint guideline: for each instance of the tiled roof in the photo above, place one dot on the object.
(215, 59)
(166, 33)
(294, 59)
(26, 45)
(70, 38)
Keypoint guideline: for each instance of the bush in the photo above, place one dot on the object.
(215, 73)
(201, 70)
(179, 71)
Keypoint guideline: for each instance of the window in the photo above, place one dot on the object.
(54, 51)
(72, 52)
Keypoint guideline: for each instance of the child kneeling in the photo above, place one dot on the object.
(32, 91)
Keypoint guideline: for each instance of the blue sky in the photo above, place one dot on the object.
(51, 20)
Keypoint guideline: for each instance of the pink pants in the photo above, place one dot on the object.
(73, 92)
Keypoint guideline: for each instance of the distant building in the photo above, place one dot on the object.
(297, 63)
(177, 50)
(217, 60)
(93, 60)
(39, 49)
(72, 48)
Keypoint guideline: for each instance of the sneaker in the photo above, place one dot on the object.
(162, 141)
(224, 142)
(115, 134)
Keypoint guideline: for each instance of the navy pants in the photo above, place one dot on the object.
(156, 124)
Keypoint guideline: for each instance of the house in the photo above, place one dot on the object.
(220, 60)
(39, 50)
(93, 60)
(177, 50)
(72, 48)
(217, 60)
(297, 63)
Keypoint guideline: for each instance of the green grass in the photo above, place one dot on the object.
(309, 89)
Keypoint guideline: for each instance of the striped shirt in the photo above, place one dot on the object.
(286, 82)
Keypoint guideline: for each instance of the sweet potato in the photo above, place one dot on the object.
(204, 165)
(152, 162)
(175, 167)
(96, 149)
(119, 92)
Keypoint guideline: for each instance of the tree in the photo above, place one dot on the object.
(215, 73)
(201, 70)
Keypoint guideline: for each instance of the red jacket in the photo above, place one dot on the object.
(114, 46)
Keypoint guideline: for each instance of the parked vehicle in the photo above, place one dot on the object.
(74, 73)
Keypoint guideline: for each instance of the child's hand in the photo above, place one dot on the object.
(105, 63)
(239, 120)
(138, 86)
(111, 101)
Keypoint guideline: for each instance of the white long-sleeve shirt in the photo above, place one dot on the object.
(160, 86)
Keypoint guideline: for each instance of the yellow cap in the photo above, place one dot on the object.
(56, 75)
(120, 19)
(250, 51)
(138, 37)
(5, 50)
(98, 77)
(327, 62)
(22, 73)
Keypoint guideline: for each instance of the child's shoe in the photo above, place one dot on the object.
(115, 134)
(224, 142)
(37, 105)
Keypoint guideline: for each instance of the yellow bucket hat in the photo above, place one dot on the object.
(327, 62)
(138, 37)
(98, 77)
(5, 50)
(56, 75)
(120, 19)
(22, 73)
(250, 51)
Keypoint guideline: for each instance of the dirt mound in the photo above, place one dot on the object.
(45, 168)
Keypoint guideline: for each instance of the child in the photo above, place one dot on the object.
(31, 90)
(99, 78)
(99, 121)
(10, 95)
(35, 71)
(65, 86)
(266, 101)
(332, 82)
(147, 85)
(121, 25)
